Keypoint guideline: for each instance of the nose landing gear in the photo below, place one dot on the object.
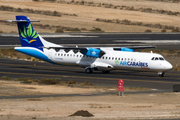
(161, 74)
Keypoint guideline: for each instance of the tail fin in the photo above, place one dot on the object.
(28, 36)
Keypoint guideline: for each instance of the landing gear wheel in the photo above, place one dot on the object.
(105, 72)
(89, 70)
(161, 74)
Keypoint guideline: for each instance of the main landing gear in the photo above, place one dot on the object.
(161, 74)
(89, 70)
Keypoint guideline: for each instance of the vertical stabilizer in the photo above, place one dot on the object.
(28, 36)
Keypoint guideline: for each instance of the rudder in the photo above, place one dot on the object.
(28, 36)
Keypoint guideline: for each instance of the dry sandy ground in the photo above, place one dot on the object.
(87, 15)
(111, 106)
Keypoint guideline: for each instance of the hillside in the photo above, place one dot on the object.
(93, 15)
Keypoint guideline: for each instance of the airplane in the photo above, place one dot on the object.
(91, 59)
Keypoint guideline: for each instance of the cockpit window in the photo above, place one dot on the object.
(156, 58)
(161, 58)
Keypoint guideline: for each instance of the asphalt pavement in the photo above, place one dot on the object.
(19, 68)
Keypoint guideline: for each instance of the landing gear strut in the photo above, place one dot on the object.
(161, 74)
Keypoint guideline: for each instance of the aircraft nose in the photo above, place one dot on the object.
(168, 66)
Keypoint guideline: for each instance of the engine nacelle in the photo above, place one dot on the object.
(93, 52)
(124, 49)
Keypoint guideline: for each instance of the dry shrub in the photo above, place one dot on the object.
(59, 30)
(5, 78)
(8, 52)
(96, 30)
(83, 29)
(175, 30)
(86, 84)
(72, 82)
(148, 30)
(27, 80)
(163, 30)
(50, 0)
(48, 81)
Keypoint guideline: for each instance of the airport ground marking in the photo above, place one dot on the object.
(89, 77)
(66, 67)
(35, 66)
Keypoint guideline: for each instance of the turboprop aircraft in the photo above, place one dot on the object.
(92, 59)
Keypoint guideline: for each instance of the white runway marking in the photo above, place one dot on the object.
(150, 41)
(50, 35)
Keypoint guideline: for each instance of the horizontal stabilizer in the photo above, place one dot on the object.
(22, 21)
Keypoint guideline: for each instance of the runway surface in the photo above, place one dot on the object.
(19, 68)
(161, 40)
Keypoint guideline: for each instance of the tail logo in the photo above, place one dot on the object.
(29, 35)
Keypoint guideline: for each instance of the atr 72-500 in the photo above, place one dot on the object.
(92, 59)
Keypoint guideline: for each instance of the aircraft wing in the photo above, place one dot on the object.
(97, 52)
(89, 51)
(132, 48)
(141, 47)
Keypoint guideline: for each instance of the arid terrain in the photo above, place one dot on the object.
(82, 15)
(97, 103)
(107, 106)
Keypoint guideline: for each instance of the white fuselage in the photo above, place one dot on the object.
(111, 60)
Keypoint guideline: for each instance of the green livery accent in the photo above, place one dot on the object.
(117, 62)
(34, 32)
(29, 31)
(22, 34)
(29, 34)
(25, 32)
(36, 36)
